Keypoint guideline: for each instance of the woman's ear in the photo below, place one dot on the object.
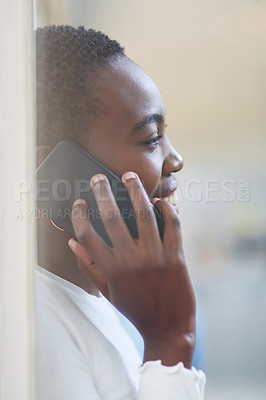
(41, 153)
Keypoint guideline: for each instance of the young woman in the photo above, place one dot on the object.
(89, 92)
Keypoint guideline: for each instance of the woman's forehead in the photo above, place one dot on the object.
(128, 87)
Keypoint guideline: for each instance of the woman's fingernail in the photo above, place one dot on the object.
(154, 200)
(129, 175)
(71, 244)
(80, 202)
(97, 178)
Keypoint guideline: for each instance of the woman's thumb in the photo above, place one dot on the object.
(88, 267)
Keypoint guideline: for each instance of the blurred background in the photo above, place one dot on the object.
(209, 60)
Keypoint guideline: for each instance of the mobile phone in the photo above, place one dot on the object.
(64, 176)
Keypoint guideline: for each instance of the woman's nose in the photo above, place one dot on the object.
(173, 162)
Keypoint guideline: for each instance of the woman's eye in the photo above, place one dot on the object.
(154, 141)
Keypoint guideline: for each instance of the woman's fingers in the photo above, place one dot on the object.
(146, 221)
(88, 267)
(110, 212)
(80, 252)
(172, 240)
(98, 251)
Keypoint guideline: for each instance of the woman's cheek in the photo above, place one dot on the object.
(150, 178)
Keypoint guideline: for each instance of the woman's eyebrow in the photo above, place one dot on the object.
(148, 119)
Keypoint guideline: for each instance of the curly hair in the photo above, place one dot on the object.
(68, 61)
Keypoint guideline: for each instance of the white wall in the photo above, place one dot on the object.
(16, 234)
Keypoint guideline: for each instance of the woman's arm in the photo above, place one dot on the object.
(145, 279)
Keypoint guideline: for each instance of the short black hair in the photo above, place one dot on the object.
(68, 60)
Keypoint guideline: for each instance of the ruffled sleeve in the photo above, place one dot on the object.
(176, 382)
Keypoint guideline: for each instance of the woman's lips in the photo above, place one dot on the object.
(167, 191)
(166, 188)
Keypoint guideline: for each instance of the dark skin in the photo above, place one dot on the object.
(145, 279)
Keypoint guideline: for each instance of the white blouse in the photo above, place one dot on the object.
(83, 352)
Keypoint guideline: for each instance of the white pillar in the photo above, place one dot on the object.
(17, 246)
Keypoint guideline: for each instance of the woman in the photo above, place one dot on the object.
(89, 92)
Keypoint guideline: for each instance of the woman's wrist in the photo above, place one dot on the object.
(171, 351)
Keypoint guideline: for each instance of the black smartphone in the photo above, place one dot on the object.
(64, 176)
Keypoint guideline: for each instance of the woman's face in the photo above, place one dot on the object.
(129, 134)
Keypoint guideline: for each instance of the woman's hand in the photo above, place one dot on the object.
(146, 279)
